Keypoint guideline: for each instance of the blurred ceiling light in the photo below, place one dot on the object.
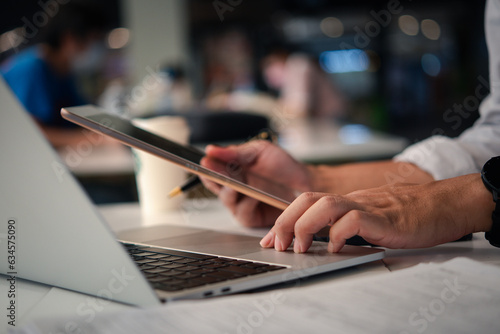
(332, 27)
(11, 39)
(430, 29)
(118, 38)
(344, 61)
(431, 64)
(408, 25)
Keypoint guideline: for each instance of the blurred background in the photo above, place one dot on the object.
(398, 67)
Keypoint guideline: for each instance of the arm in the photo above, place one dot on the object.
(274, 163)
(393, 216)
(346, 178)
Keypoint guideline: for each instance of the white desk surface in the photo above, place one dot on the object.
(308, 141)
(326, 141)
(36, 300)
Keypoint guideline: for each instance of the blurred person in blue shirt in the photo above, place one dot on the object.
(43, 76)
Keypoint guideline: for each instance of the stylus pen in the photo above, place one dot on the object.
(194, 180)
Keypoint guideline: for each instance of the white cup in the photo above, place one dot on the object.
(156, 177)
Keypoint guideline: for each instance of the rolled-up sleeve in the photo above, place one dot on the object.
(445, 157)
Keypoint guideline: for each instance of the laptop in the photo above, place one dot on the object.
(59, 237)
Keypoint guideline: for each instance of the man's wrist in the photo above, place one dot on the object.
(323, 179)
(480, 202)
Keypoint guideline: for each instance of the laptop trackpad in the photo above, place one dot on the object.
(193, 239)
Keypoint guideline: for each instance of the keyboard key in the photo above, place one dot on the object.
(187, 275)
(185, 260)
(159, 256)
(155, 270)
(146, 266)
(148, 276)
(202, 271)
(159, 279)
(216, 265)
(186, 267)
(241, 270)
(174, 281)
(178, 253)
(145, 261)
(166, 265)
(172, 273)
(175, 258)
(143, 254)
(222, 259)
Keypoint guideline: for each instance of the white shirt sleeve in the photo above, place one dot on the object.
(445, 157)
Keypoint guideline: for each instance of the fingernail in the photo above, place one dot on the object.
(266, 241)
(278, 245)
(335, 247)
(330, 247)
(297, 248)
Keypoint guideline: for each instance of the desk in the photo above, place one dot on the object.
(37, 300)
(114, 160)
(320, 141)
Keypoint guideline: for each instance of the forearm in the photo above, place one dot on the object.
(347, 178)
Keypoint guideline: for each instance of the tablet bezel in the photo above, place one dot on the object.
(81, 116)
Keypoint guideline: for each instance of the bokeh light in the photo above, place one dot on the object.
(431, 64)
(430, 29)
(118, 38)
(332, 27)
(408, 25)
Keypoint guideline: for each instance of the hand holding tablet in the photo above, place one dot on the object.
(235, 174)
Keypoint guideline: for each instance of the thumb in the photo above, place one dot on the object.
(225, 154)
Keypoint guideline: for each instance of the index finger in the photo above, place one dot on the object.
(307, 215)
(222, 153)
(284, 228)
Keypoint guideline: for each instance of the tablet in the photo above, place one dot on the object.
(185, 156)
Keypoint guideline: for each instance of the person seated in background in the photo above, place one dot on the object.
(42, 76)
(304, 89)
(429, 194)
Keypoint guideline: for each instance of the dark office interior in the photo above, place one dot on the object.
(407, 68)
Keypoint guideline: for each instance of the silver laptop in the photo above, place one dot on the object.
(60, 239)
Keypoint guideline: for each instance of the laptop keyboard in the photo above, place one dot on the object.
(173, 270)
